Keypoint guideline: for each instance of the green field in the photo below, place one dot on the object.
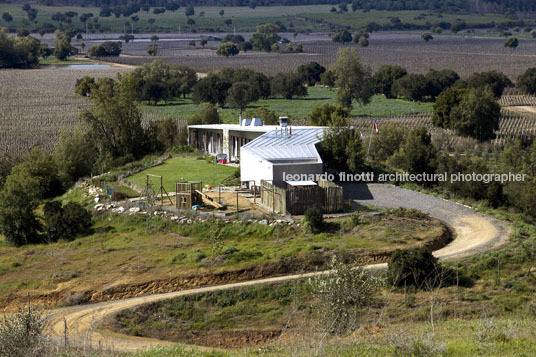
(243, 18)
(186, 169)
(358, 20)
(298, 108)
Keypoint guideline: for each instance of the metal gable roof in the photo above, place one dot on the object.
(296, 144)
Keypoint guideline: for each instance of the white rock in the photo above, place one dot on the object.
(121, 209)
(263, 221)
(97, 199)
(134, 209)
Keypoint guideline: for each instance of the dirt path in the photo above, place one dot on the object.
(474, 234)
(522, 109)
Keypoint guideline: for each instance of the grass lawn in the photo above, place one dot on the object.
(185, 169)
(298, 108)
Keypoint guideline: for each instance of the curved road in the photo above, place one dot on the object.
(474, 233)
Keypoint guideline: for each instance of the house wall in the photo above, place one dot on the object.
(216, 141)
(253, 169)
(294, 168)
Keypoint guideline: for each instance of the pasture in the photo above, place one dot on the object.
(357, 20)
(297, 108)
(243, 18)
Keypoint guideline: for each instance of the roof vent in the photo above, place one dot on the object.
(283, 122)
(257, 122)
(246, 122)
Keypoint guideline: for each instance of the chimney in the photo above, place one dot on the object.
(240, 119)
(283, 122)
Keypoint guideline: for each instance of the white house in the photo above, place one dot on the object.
(281, 152)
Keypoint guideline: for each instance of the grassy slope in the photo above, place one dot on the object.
(185, 169)
(131, 249)
(299, 108)
(244, 18)
(359, 19)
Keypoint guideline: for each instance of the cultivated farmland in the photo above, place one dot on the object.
(36, 105)
(465, 55)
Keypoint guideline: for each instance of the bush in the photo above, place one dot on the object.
(342, 295)
(21, 334)
(118, 196)
(314, 219)
(65, 222)
(412, 267)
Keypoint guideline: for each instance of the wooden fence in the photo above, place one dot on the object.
(295, 200)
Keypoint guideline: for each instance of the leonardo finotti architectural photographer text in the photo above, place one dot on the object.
(407, 177)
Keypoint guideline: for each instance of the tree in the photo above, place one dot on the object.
(228, 22)
(343, 7)
(259, 82)
(268, 117)
(417, 154)
(411, 267)
(328, 79)
(385, 145)
(527, 81)
(240, 94)
(203, 42)
(26, 7)
(106, 49)
(190, 22)
(6, 16)
(447, 100)
(512, 43)
(411, 86)
(353, 78)
(384, 78)
(438, 81)
(18, 199)
(154, 38)
(341, 147)
(62, 45)
(477, 115)
(265, 37)
(18, 52)
(227, 49)
(152, 50)
(222, 12)
(115, 122)
(84, 85)
(74, 155)
(363, 42)
(65, 223)
(496, 81)
(213, 89)
(207, 115)
(189, 11)
(32, 14)
(287, 85)
(311, 72)
(299, 47)
(322, 114)
(182, 80)
(342, 36)
(427, 37)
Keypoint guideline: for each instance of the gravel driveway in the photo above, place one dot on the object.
(473, 232)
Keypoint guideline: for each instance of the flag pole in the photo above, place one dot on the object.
(370, 139)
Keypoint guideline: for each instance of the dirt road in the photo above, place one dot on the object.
(474, 234)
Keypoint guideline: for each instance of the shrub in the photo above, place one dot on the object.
(412, 267)
(118, 196)
(314, 219)
(65, 222)
(21, 334)
(342, 295)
